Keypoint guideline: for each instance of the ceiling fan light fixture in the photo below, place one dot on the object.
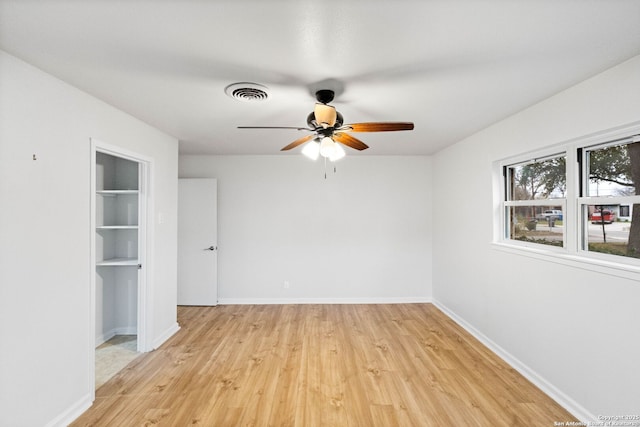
(338, 152)
(329, 133)
(327, 147)
(311, 150)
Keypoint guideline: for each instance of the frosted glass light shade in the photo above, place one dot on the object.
(311, 150)
(338, 152)
(327, 147)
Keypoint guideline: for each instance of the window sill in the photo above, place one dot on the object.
(612, 268)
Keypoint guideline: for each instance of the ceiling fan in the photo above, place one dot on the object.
(329, 131)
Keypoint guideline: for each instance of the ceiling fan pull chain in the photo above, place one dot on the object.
(325, 168)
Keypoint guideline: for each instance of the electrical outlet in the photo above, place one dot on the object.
(286, 284)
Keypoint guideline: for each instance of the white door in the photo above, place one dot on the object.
(197, 242)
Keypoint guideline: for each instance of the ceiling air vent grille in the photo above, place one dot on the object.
(247, 92)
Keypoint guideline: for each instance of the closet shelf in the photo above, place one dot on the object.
(116, 192)
(117, 262)
(117, 227)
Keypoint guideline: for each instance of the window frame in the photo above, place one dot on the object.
(583, 202)
(508, 203)
(573, 251)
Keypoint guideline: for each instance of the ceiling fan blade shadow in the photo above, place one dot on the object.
(378, 126)
(182, 65)
(349, 141)
(445, 65)
(335, 85)
(297, 142)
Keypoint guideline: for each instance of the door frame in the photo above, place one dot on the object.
(145, 245)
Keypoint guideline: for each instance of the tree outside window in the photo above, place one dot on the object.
(612, 179)
(535, 200)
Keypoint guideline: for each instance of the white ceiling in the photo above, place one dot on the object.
(452, 67)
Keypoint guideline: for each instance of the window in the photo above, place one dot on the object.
(580, 199)
(609, 205)
(535, 200)
(624, 212)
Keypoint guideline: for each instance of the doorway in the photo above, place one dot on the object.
(118, 306)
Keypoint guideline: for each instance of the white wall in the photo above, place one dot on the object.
(44, 238)
(363, 234)
(578, 331)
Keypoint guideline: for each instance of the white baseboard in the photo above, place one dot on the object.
(106, 336)
(73, 412)
(268, 301)
(548, 388)
(165, 335)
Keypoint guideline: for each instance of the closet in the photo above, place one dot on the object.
(118, 251)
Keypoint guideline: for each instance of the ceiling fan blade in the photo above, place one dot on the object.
(297, 142)
(378, 126)
(325, 115)
(349, 141)
(274, 127)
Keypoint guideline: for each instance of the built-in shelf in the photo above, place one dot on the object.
(117, 234)
(118, 262)
(114, 193)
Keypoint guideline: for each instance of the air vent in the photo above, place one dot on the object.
(247, 92)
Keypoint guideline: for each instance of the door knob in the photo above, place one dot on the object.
(211, 248)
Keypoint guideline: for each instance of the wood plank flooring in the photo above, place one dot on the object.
(320, 365)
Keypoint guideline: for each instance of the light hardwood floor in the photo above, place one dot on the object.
(320, 365)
